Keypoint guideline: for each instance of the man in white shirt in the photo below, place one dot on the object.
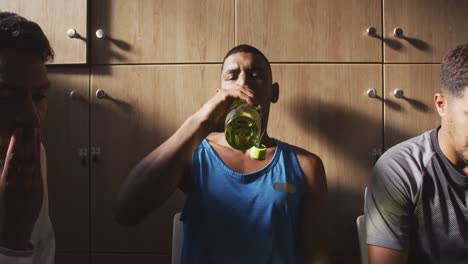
(26, 234)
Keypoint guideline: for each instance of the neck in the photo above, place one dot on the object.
(267, 140)
(220, 139)
(450, 152)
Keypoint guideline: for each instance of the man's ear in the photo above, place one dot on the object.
(440, 102)
(274, 92)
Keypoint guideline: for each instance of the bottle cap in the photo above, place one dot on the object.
(258, 153)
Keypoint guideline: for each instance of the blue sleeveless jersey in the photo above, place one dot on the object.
(243, 218)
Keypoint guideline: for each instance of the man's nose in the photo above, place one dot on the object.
(242, 79)
(28, 116)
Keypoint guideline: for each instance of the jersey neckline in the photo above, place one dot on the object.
(247, 176)
(455, 175)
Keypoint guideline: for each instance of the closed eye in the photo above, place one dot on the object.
(38, 97)
(231, 77)
(39, 93)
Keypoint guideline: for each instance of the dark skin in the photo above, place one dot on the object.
(245, 76)
(453, 141)
(23, 81)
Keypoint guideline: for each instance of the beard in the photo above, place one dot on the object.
(463, 157)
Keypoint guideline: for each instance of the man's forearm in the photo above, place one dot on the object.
(381, 255)
(156, 177)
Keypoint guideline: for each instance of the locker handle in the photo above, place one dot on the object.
(372, 93)
(100, 34)
(398, 32)
(371, 31)
(71, 33)
(101, 94)
(399, 93)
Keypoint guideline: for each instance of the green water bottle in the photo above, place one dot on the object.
(242, 125)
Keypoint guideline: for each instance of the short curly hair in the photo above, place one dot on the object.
(18, 33)
(454, 71)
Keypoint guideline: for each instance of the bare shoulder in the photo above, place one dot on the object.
(307, 160)
(312, 167)
(215, 137)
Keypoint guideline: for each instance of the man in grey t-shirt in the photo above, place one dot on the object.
(417, 200)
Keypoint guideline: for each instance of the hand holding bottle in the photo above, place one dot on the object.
(213, 112)
(243, 125)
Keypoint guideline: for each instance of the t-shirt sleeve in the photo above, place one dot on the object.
(388, 203)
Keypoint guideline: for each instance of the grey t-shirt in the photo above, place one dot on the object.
(417, 199)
